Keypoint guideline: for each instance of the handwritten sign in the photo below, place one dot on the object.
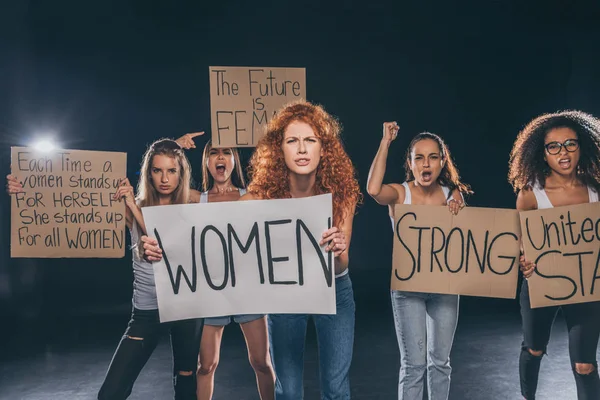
(474, 253)
(244, 99)
(66, 208)
(246, 257)
(564, 243)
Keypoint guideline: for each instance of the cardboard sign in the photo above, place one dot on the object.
(244, 257)
(67, 209)
(564, 244)
(474, 253)
(244, 99)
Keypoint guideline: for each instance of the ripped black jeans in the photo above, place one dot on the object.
(583, 324)
(132, 354)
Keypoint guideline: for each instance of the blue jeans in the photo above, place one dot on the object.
(425, 326)
(335, 336)
(226, 320)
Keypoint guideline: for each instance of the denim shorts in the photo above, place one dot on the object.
(240, 319)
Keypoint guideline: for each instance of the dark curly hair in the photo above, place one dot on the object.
(335, 173)
(527, 165)
(449, 176)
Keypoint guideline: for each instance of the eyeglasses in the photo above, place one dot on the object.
(554, 148)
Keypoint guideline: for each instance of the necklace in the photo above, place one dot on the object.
(223, 191)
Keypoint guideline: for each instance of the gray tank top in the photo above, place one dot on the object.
(144, 288)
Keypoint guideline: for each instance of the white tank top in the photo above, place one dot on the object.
(204, 195)
(408, 197)
(544, 202)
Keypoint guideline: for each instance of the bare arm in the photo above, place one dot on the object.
(383, 194)
(248, 196)
(136, 212)
(342, 261)
(525, 202)
(194, 196)
(338, 240)
(187, 140)
(132, 210)
(456, 202)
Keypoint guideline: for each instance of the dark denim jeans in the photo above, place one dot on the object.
(583, 324)
(132, 354)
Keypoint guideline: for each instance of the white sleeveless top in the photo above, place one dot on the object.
(408, 197)
(544, 202)
(204, 195)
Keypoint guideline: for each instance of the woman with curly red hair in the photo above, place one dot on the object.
(301, 155)
(555, 162)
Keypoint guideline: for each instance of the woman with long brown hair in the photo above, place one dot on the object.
(425, 322)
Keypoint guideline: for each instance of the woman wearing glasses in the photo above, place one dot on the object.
(555, 162)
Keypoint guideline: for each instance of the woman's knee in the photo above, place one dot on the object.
(261, 365)
(414, 369)
(536, 353)
(207, 367)
(584, 368)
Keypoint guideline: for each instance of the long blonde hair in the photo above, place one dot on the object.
(237, 178)
(147, 194)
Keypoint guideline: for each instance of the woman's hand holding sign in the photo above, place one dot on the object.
(335, 240)
(12, 185)
(455, 206)
(125, 192)
(152, 252)
(527, 267)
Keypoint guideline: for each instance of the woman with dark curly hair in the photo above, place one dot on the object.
(301, 155)
(555, 162)
(425, 322)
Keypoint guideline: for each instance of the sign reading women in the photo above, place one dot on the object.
(243, 257)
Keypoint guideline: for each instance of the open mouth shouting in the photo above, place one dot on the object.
(426, 176)
(220, 167)
(564, 162)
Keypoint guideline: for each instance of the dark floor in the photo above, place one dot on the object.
(66, 355)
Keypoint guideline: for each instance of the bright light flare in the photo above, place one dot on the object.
(44, 145)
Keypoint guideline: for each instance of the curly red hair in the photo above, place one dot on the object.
(335, 174)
